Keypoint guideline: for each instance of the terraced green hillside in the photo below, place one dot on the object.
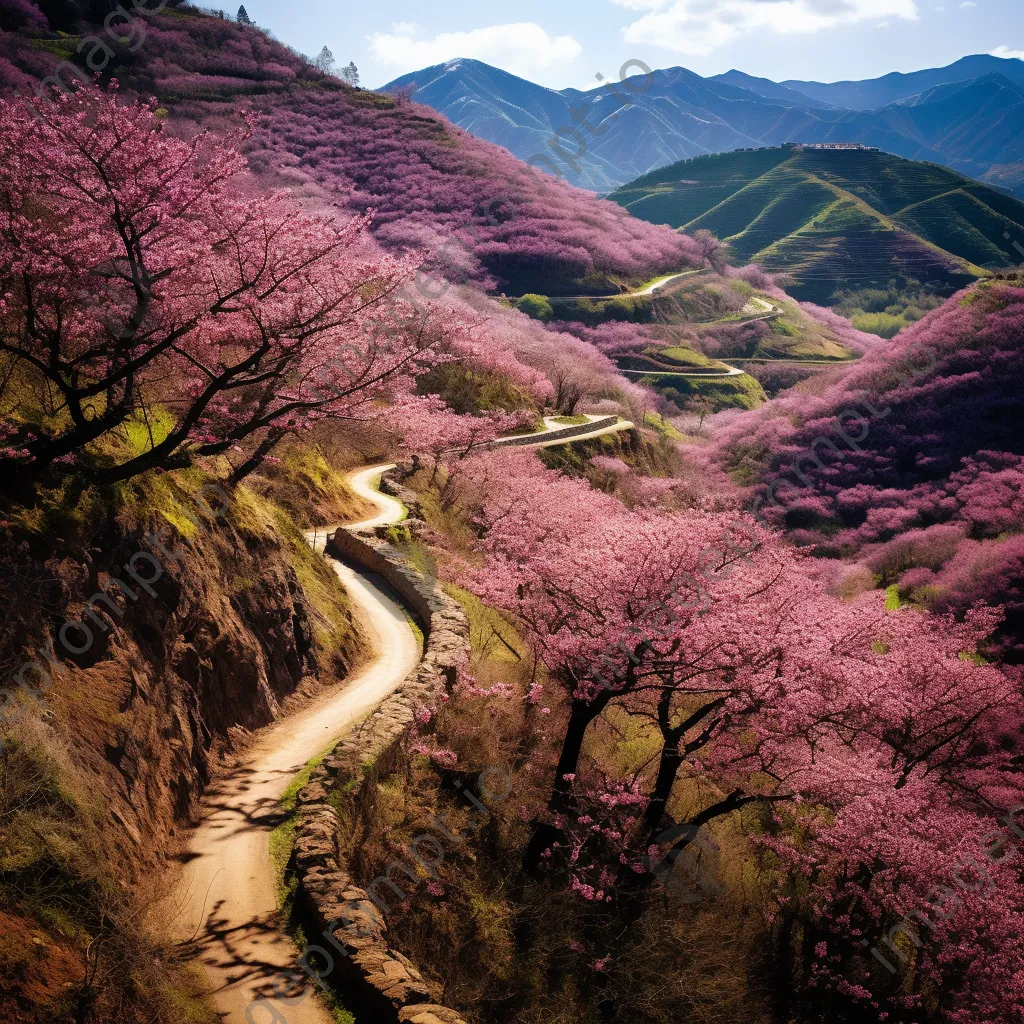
(834, 220)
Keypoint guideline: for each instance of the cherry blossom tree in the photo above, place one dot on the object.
(620, 609)
(578, 372)
(895, 864)
(763, 689)
(713, 251)
(428, 426)
(138, 275)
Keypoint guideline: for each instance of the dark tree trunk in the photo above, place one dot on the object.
(673, 753)
(633, 886)
(668, 768)
(581, 715)
(784, 979)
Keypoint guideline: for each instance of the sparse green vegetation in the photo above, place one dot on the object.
(686, 358)
(414, 625)
(306, 485)
(662, 427)
(886, 311)
(282, 837)
(885, 325)
(492, 635)
(631, 309)
(332, 624)
(536, 306)
(470, 390)
(738, 392)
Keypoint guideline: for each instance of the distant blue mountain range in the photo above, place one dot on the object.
(968, 116)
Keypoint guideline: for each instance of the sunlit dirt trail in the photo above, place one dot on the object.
(228, 886)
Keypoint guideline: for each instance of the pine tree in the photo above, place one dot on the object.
(325, 61)
(352, 75)
(242, 17)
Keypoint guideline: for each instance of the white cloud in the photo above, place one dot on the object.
(522, 48)
(968, 3)
(700, 26)
(940, 8)
(1005, 51)
(405, 28)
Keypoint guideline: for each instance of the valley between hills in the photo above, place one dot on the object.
(438, 593)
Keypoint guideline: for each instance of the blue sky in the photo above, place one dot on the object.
(566, 42)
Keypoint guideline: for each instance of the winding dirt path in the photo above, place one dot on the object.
(225, 896)
(227, 890)
(761, 309)
(659, 284)
(733, 371)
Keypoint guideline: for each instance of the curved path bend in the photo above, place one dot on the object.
(657, 285)
(649, 289)
(762, 310)
(552, 427)
(733, 371)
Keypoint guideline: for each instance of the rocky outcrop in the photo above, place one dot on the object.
(375, 978)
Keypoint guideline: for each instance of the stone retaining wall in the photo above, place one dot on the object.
(553, 435)
(391, 483)
(375, 979)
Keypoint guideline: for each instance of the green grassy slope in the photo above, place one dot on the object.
(836, 219)
(723, 315)
(683, 191)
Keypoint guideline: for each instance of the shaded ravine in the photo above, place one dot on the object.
(227, 892)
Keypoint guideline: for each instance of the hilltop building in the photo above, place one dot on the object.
(831, 145)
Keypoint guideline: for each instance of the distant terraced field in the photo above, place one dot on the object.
(833, 220)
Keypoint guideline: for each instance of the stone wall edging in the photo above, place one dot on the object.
(391, 483)
(371, 973)
(553, 435)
